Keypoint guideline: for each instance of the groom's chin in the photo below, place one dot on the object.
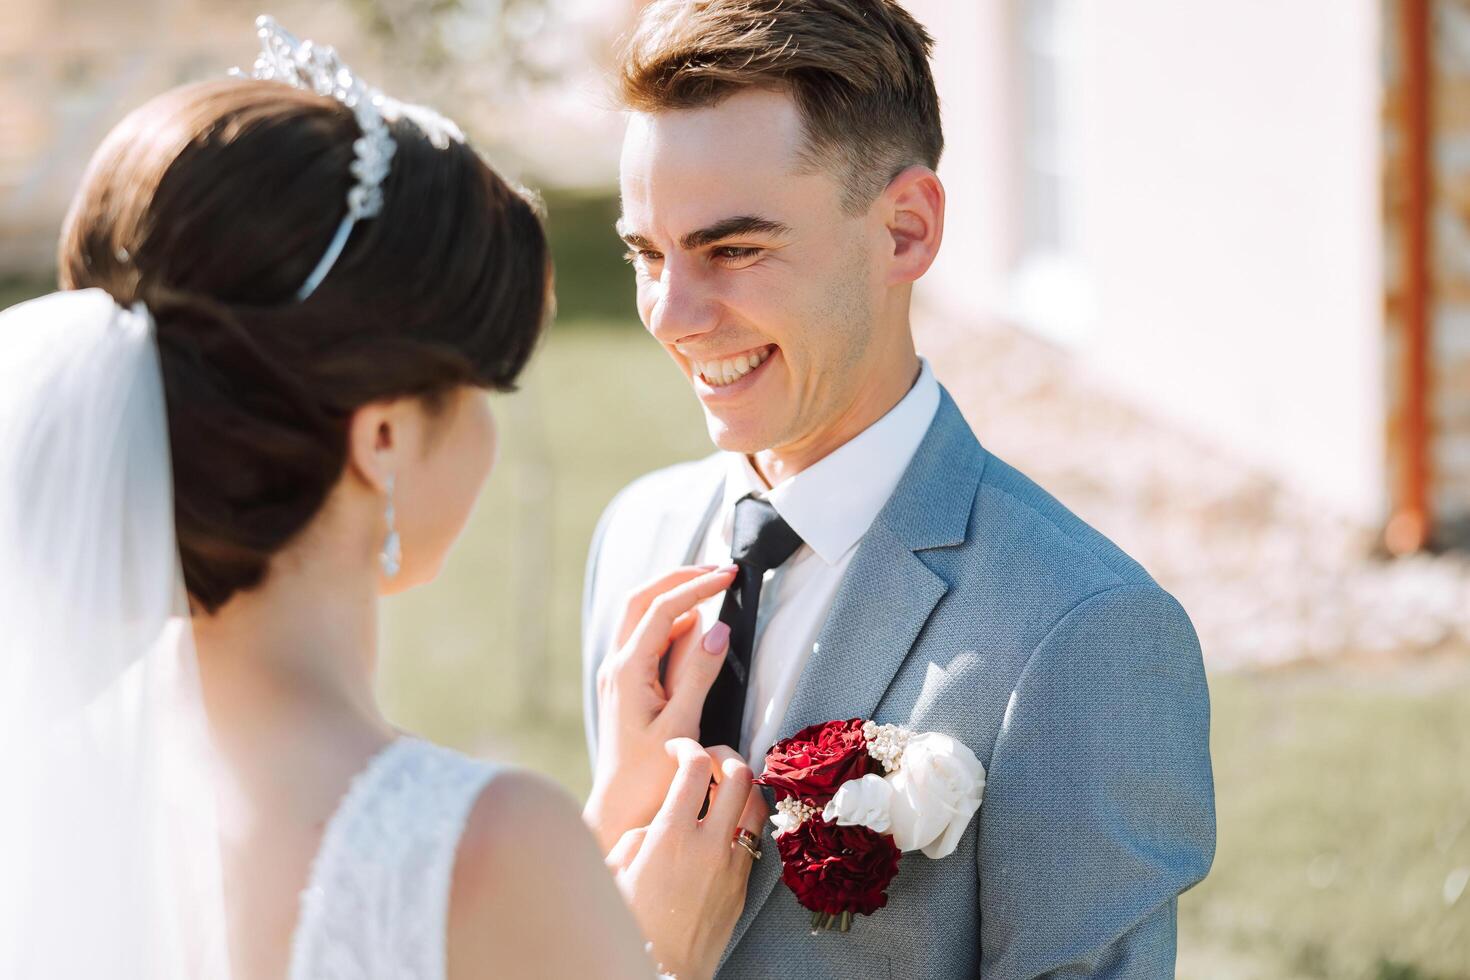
(734, 436)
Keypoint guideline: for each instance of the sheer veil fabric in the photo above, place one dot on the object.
(108, 831)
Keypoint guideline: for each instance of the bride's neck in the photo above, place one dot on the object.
(295, 652)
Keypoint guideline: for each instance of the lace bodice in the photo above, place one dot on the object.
(377, 903)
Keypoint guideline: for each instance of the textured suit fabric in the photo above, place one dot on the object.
(979, 606)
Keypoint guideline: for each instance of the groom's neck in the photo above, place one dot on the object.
(874, 401)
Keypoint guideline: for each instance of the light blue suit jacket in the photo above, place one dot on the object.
(979, 606)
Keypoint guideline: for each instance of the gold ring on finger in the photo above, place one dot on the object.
(750, 842)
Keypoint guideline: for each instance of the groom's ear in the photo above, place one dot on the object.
(912, 208)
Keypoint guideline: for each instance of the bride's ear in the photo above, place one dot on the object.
(374, 441)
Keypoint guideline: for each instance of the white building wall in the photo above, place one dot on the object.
(1228, 217)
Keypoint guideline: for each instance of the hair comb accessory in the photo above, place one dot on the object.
(317, 68)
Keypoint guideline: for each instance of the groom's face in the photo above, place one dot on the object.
(750, 273)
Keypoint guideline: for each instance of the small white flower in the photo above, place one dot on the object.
(886, 743)
(862, 803)
(790, 814)
(935, 793)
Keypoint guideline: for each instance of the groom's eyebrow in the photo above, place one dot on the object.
(719, 231)
(744, 224)
(633, 239)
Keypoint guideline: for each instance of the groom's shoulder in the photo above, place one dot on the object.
(1019, 525)
(1033, 564)
(655, 493)
(636, 520)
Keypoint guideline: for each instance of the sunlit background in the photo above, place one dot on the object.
(1206, 277)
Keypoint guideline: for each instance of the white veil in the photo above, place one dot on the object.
(109, 853)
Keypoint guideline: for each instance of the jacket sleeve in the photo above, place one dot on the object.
(1099, 807)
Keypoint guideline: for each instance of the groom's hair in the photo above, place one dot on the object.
(857, 69)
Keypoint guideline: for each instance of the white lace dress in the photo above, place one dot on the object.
(377, 903)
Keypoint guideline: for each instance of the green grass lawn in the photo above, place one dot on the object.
(1344, 817)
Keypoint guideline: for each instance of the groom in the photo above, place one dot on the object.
(779, 201)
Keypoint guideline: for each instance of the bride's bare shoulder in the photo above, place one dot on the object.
(530, 893)
(518, 816)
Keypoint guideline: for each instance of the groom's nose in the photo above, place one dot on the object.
(684, 305)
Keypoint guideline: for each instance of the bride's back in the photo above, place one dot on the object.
(309, 437)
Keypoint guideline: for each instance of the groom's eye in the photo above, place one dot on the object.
(735, 253)
(646, 254)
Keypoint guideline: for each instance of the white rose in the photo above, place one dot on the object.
(936, 791)
(861, 803)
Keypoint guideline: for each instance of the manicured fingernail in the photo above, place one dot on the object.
(717, 638)
(706, 568)
(727, 569)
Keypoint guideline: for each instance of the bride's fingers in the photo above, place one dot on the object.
(626, 849)
(686, 636)
(686, 794)
(731, 793)
(753, 818)
(651, 637)
(638, 602)
(635, 664)
(684, 624)
(699, 666)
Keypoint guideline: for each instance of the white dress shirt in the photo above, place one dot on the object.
(830, 504)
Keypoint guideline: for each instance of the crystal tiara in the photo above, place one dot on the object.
(317, 68)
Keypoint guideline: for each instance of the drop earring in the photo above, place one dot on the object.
(391, 557)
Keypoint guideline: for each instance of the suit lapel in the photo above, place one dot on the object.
(885, 598)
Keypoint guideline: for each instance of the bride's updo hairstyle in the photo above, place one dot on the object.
(212, 204)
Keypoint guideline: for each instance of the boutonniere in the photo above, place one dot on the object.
(852, 797)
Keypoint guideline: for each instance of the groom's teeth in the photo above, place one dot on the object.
(728, 371)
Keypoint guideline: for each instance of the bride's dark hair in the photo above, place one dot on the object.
(212, 204)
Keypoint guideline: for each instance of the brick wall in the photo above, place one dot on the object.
(1449, 223)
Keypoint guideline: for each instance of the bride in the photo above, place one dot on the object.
(256, 407)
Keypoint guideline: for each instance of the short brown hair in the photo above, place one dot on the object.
(857, 69)
(211, 204)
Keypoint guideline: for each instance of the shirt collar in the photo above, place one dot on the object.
(833, 502)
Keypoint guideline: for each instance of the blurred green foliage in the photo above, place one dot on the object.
(17, 289)
(593, 282)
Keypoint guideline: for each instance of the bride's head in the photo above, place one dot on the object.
(289, 419)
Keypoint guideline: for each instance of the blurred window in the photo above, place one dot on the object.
(1049, 288)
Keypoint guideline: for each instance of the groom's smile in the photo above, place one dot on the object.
(728, 374)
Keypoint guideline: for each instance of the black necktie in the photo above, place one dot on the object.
(760, 541)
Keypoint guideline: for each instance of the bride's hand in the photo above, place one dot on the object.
(637, 713)
(683, 877)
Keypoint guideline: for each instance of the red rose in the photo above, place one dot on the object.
(834, 869)
(814, 762)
